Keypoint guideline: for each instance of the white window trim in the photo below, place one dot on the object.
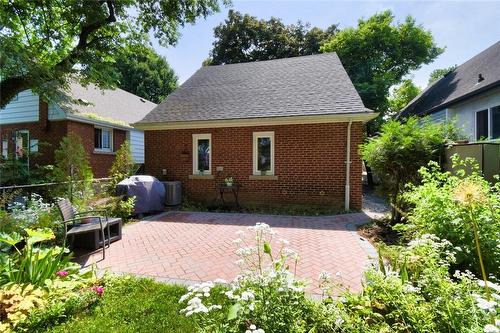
(197, 137)
(256, 136)
(111, 141)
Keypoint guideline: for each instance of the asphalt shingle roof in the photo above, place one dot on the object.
(458, 84)
(116, 104)
(308, 85)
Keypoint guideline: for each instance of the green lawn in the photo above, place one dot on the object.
(133, 305)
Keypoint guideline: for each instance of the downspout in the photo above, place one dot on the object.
(348, 167)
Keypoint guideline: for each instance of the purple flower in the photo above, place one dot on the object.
(98, 290)
(62, 274)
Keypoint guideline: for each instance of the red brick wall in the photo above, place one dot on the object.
(309, 163)
(48, 134)
(100, 162)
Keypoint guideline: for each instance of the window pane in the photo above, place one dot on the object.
(97, 138)
(5, 149)
(495, 122)
(203, 154)
(482, 125)
(106, 139)
(264, 154)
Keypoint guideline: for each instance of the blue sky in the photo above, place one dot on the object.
(464, 27)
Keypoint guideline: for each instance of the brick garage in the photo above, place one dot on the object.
(309, 163)
(49, 135)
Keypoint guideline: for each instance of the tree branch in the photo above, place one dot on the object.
(83, 43)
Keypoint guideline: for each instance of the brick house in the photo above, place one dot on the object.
(283, 129)
(31, 129)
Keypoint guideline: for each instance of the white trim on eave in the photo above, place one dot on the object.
(291, 120)
(87, 120)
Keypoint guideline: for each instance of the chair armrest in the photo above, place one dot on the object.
(96, 211)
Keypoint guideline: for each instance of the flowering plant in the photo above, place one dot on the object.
(265, 297)
(228, 181)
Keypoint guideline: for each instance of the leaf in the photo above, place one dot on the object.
(233, 311)
(267, 248)
(404, 272)
(10, 239)
(39, 235)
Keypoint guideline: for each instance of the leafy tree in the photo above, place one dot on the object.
(401, 96)
(378, 53)
(244, 38)
(145, 73)
(72, 166)
(440, 72)
(402, 149)
(45, 42)
(122, 167)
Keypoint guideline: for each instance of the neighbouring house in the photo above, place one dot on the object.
(31, 129)
(287, 131)
(469, 95)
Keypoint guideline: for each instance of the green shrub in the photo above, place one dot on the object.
(449, 206)
(412, 292)
(123, 166)
(397, 154)
(72, 168)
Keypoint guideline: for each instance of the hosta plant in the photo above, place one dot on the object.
(29, 262)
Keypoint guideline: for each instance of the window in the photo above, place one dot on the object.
(482, 124)
(22, 146)
(263, 153)
(103, 139)
(495, 122)
(202, 156)
(5, 148)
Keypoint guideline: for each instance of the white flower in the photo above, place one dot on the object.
(491, 329)
(283, 241)
(253, 327)
(222, 281)
(237, 241)
(485, 304)
(247, 295)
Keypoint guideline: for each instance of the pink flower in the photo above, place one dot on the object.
(62, 274)
(98, 290)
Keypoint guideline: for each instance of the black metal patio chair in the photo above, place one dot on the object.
(83, 222)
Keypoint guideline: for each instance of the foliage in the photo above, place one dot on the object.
(265, 297)
(378, 53)
(120, 207)
(401, 149)
(400, 97)
(72, 167)
(31, 263)
(439, 73)
(42, 41)
(449, 205)
(244, 38)
(16, 302)
(31, 213)
(123, 166)
(131, 304)
(412, 292)
(145, 73)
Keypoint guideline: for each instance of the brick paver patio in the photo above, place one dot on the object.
(187, 246)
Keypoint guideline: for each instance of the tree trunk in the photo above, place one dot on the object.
(10, 87)
(369, 176)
